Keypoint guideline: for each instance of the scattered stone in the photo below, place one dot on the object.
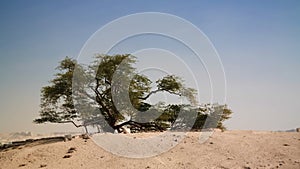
(67, 156)
(22, 165)
(102, 157)
(43, 165)
(298, 129)
(85, 136)
(148, 167)
(68, 137)
(286, 145)
(71, 150)
(211, 143)
(230, 158)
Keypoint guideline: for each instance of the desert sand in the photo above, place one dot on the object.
(229, 149)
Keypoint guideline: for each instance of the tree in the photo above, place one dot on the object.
(56, 99)
(109, 92)
(211, 116)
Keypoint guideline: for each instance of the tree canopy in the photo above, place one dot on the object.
(109, 94)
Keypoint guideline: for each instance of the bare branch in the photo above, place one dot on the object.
(152, 92)
(158, 90)
(70, 121)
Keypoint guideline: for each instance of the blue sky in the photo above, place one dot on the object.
(258, 42)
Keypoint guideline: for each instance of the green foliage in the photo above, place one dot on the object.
(56, 101)
(86, 94)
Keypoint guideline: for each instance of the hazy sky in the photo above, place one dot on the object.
(258, 43)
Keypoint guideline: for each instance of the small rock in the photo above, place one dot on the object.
(43, 165)
(22, 165)
(72, 149)
(286, 145)
(211, 143)
(68, 137)
(85, 136)
(230, 158)
(67, 156)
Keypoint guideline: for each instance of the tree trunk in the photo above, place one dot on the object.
(98, 128)
(149, 126)
(86, 130)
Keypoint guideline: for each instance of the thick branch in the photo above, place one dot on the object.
(137, 124)
(103, 106)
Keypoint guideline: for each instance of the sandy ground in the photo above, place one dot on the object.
(229, 149)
